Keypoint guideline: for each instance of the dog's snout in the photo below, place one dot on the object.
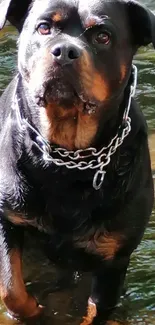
(65, 53)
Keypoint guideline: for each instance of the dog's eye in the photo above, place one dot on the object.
(44, 29)
(102, 38)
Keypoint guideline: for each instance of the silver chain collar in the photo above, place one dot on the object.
(75, 159)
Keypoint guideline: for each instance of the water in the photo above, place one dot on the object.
(66, 305)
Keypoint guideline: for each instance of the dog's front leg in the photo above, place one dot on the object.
(107, 285)
(12, 289)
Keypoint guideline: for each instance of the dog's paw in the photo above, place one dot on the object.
(30, 309)
(91, 313)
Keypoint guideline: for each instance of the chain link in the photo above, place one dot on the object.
(101, 158)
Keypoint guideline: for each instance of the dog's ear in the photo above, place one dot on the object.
(142, 22)
(14, 11)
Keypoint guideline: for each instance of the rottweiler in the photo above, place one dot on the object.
(74, 157)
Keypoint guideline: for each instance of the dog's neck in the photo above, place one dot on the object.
(113, 118)
(110, 119)
(98, 156)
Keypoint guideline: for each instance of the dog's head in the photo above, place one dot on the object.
(75, 57)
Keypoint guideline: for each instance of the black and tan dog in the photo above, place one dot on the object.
(74, 158)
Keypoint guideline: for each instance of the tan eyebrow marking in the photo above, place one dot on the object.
(57, 16)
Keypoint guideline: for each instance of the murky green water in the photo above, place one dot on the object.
(67, 305)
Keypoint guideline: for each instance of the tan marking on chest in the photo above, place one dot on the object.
(17, 218)
(21, 220)
(103, 244)
(71, 128)
(86, 130)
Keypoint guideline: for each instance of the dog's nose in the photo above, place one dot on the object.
(65, 54)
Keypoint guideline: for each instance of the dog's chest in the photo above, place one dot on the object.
(66, 203)
(64, 209)
(76, 219)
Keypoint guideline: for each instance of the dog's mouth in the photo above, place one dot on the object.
(65, 95)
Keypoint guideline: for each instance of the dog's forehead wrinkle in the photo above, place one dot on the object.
(92, 5)
(84, 8)
(40, 6)
(100, 8)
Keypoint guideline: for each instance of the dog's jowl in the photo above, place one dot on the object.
(74, 158)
